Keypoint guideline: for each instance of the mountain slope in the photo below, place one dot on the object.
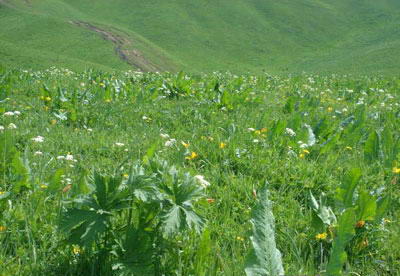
(238, 35)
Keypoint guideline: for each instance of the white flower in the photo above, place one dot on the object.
(200, 179)
(145, 117)
(12, 126)
(38, 139)
(303, 146)
(17, 113)
(8, 113)
(119, 144)
(38, 153)
(60, 157)
(1, 128)
(344, 110)
(170, 143)
(256, 141)
(69, 157)
(250, 129)
(126, 150)
(290, 132)
(164, 135)
(89, 129)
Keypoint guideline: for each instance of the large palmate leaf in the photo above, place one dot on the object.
(180, 196)
(264, 258)
(141, 185)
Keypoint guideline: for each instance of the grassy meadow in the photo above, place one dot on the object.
(202, 36)
(195, 174)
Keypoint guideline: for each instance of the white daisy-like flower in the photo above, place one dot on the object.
(38, 153)
(12, 126)
(290, 132)
(1, 128)
(119, 144)
(69, 157)
(38, 139)
(251, 129)
(60, 157)
(17, 113)
(170, 143)
(164, 136)
(256, 141)
(8, 113)
(200, 179)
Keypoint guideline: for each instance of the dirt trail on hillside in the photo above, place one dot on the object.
(123, 47)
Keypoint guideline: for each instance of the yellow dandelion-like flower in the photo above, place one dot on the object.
(192, 156)
(102, 84)
(108, 100)
(43, 186)
(222, 145)
(348, 148)
(239, 238)
(76, 250)
(396, 170)
(360, 224)
(125, 175)
(2, 228)
(321, 236)
(2, 193)
(302, 155)
(330, 109)
(306, 151)
(258, 132)
(47, 99)
(186, 145)
(263, 130)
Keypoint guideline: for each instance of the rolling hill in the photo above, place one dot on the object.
(345, 36)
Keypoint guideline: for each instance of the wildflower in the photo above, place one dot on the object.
(102, 84)
(240, 238)
(12, 126)
(200, 179)
(38, 139)
(47, 99)
(108, 100)
(258, 132)
(321, 236)
(360, 224)
(8, 113)
(192, 156)
(119, 144)
(43, 186)
(164, 136)
(38, 153)
(69, 157)
(251, 129)
(263, 130)
(306, 151)
(1, 128)
(60, 157)
(290, 132)
(210, 200)
(222, 145)
(348, 148)
(76, 250)
(2, 193)
(396, 170)
(330, 109)
(170, 143)
(125, 175)
(186, 145)
(53, 122)
(303, 145)
(302, 155)
(2, 228)
(17, 113)
(256, 141)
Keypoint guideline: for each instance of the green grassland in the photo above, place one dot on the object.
(333, 137)
(202, 36)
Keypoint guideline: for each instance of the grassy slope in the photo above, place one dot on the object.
(238, 35)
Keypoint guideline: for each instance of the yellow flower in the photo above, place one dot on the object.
(321, 236)
(125, 175)
(360, 224)
(2, 193)
(53, 122)
(258, 132)
(396, 170)
(47, 99)
(76, 249)
(102, 84)
(348, 148)
(192, 156)
(108, 100)
(222, 145)
(43, 186)
(330, 109)
(263, 130)
(2, 228)
(302, 155)
(306, 151)
(240, 238)
(186, 145)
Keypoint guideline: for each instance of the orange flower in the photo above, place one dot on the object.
(210, 200)
(360, 224)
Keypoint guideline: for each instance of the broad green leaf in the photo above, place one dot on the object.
(371, 147)
(345, 193)
(264, 258)
(366, 206)
(203, 255)
(345, 232)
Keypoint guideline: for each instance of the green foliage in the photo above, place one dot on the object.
(264, 258)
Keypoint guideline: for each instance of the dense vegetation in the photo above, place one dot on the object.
(169, 174)
(202, 36)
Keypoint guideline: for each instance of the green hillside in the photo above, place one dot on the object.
(239, 35)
